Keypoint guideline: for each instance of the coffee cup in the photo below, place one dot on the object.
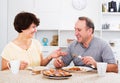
(14, 66)
(101, 68)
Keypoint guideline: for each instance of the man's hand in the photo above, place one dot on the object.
(88, 60)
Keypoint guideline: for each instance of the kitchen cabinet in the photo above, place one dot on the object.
(65, 37)
(110, 17)
(110, 20)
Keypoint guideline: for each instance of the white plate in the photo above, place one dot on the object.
(29, 68)
(83, 69)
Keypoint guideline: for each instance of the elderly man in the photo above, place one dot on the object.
(90, 48)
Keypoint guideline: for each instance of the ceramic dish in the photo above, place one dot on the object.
(57, 74)
(56, 78)
(77, 69)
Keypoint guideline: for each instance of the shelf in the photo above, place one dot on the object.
(45, 29)
(64, 36)
(110, 13)
(46, 50)
(110, 21)
(106, 35)
(46, 34)
(63, 46)
(109, 30)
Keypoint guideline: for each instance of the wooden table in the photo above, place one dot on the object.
(25, 76)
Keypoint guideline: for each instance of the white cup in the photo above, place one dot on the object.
(101, 68)
(14, 66)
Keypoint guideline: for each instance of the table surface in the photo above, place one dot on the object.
(25, 76)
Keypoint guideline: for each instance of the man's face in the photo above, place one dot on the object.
(82, 33)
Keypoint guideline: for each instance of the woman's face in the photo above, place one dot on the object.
(30, 31)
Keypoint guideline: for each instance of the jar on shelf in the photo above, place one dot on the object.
(104, 7)
(119, 7)
(112, 6)
(106, 26)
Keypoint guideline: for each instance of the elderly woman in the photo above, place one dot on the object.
(24, 47)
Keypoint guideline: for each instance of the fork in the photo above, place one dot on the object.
(79, 56)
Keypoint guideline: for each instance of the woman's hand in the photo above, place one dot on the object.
(57, 53)
(58, 63)
(23, 65)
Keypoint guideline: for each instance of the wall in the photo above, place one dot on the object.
(61, 14)
(13, 9)
(3, 25)
(57, 13)
(53, 14)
